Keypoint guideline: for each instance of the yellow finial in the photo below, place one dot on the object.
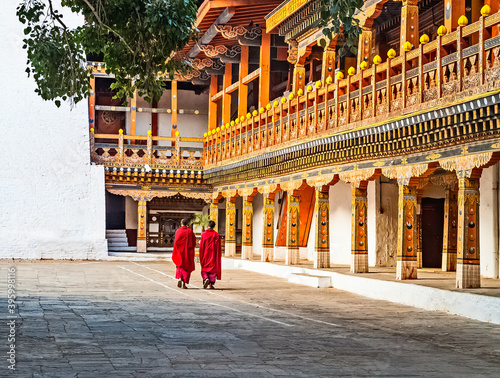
(237, 120)
(232, 123)
(254, 113)
(319, 84)
(329, 80)
(249, 116)
(391, 53)
(291, 96)
(209, 132)
(223, 128)
(268, 106)
(283, 100)
(242, 118)
(377, 59)
(120, 131)
(300, 92)
(91, 129)
(217, 129)
(351, 71)
(177, 133)
(205, 135)
(227, 125)
(463, 21)
(424, 39)
(442, 30)
(363, 65)
(340, 75)
(276, 103)
(407, 46)
(486, 10)
(262, 109)
(309, 88)
(150, 132)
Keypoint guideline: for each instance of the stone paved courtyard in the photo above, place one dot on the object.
(124, 319)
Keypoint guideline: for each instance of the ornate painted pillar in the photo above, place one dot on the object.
(322, 214)
(268, 234)
(365, 46)
(449, 262)
(468, 269)
(299, 78)
(247, 245)
(230, 238)
(142, 213)
(419, 227)
(359, 245)
(214, 213)
(292, 230)
(409, 24)
(328, 68)
(406, 266)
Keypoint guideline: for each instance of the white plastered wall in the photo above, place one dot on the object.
(131, 221)
(340, 223)
(387, 222)
(488, 222)
(53, 200)
(371, 223)
(258, 223)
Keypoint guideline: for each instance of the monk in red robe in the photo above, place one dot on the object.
(210, 256)
(183, 255)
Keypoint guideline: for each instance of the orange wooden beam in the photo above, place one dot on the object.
(265, 69)
(212, 106)
(92, 121)
(226, 97)
(243, 89)
(174, 106)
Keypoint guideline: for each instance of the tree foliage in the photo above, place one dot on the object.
(136, 38)
(337, 18)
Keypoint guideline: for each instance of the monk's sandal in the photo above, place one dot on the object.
(206, 282)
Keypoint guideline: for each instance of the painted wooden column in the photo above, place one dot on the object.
(328, 68)
(365, 46)
(359, 245)
(212, 105)
(214, 213)
(449, 262)
(226, 97)
(92, 122)
(292, 230)
(142, 211)
(243, 88)
(322, 242)
(299, 78)
(265, 70)
(418, 225)
(409, 24)
(174, 107)
(468, 268)
(406, 265)
(268, 234)
(247, 241)
(230, 238)
(133, 114)
(453, 9)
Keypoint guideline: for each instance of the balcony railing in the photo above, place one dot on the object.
(434, 74)
(122, 152)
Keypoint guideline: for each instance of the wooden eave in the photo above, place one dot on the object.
(246, 12)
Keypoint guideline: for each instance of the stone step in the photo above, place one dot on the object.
(116, 233)
(310, 280)
(117, 244)
(127, 256)
(117, 239)
(121, 249)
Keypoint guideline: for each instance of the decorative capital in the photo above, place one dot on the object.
(464, 164)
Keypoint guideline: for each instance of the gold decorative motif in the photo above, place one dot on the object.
(291, 185)
(245, 192)
(266, 189)
(495, 146)
(319, 181)
(405, 172)
(355, 177)
(229, 193)
(379, 164)
(463, 165)
(147, 195)
(433, 156)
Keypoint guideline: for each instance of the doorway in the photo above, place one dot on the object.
(432, 232)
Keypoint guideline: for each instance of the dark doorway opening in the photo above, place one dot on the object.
(432, 232)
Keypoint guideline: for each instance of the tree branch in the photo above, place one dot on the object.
(55, 16)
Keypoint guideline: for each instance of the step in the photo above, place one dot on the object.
(116, 231)
(310, 280)
(117, 240)
(128, 256)
(121, 249)
(121, 244)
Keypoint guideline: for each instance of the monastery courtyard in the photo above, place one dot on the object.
(128, 319)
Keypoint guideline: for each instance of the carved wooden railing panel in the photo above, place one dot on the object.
(434, 74)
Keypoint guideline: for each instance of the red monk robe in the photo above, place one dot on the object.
(210, 257)
(183, 255)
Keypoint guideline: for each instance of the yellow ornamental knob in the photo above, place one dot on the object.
(424, 39)
(249, 116)
(309, 88)
(209, 132)
(377, 59)
(276, 103)
(227, 125)
(177, 133)
(319, 84)
(391, 53)
(205, 135)
(120, 131)
(300, 92)
(283, 100)
(329, 80)
(262, 109)
(254, 113)
(290, 96)
(407, 46)
(237, 120)
(232, 123)
(485, 11)
(223, 128)
(442, 30)
(217, 129)
(463, 21)
(150, 132)
(91, 129)
(363, 65)
(340, 75)
(351, 71)
(268, 106)
(242, 118)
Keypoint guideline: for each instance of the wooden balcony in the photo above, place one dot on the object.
(132, 159)
(443, 72)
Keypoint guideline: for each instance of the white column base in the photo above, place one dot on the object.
(267, 254)
(247, 252)
(359, 263)
(321, 259)
(141, 246)
(292, 256)
(230, 249)
(406, 270)
(468, 276)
